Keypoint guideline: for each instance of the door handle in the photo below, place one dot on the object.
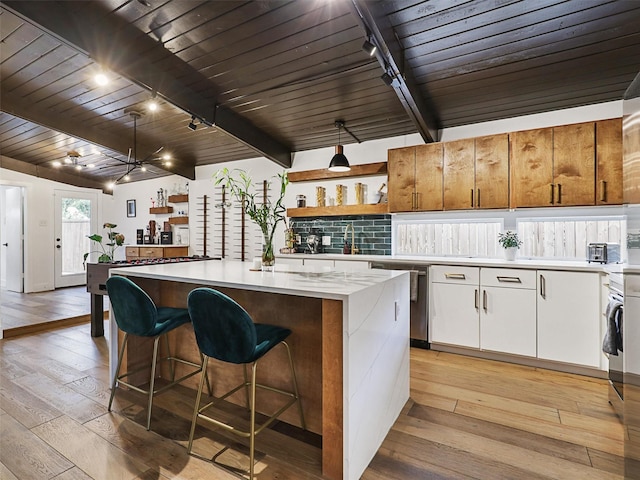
(5, 244)
(58, 246)
(478, 199)
(603, 191)
(543, 287)
(559, 193)
(484, 300)
(551, 199)
(472, 198)
(476, 295)
(455, 276)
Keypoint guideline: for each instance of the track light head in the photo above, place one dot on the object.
(387, 78)
(192, 124)
(369, 48)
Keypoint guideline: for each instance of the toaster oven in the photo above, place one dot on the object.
(603, 252)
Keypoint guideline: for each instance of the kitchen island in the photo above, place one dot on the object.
(350, 344)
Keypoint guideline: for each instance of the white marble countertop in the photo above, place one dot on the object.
(316, 282)
(538, 264)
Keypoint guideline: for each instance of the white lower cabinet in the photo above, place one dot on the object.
(550, 315)
(453, 306)
(569, 317)
(508, 311)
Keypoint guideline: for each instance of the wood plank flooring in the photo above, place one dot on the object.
(33, 312)
(467, 419)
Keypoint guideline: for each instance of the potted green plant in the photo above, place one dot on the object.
(108, 249)
(266, 214)
(510, 242)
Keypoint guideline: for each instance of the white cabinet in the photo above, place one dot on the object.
(351, 265)
(569, 317)
(454, 306)
(318, 262)
(289, 261)
(508, 311)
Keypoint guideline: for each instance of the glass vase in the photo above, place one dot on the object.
(268, 256)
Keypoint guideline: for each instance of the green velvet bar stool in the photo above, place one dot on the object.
(136, 314)
(226, 332)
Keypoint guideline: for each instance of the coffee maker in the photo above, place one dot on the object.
(313, 243)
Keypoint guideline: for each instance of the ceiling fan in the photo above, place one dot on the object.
(132, 163)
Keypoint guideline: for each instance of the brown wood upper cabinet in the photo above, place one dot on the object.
(415, 178)
(553, 166)
(476, 173)
(609, 162)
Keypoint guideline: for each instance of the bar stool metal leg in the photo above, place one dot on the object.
(115, 377)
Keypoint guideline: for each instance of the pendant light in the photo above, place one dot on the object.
(339, 162)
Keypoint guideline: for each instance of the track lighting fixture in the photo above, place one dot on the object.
(339, 162)
(192, 124)
(387, 78)
(369, 47)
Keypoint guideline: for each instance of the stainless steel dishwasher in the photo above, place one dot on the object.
(419, 304)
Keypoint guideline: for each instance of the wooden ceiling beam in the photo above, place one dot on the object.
(419, 106)
(125, 50)
(99, 137)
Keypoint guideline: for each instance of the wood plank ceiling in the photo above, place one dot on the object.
(270, 78)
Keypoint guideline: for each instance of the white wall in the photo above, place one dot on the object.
(39, 192)
(39, 241)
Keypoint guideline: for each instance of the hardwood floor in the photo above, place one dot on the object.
(467, 418)
(32, 312)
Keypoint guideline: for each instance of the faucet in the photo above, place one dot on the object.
(353, 238)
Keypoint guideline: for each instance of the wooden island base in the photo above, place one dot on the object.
(316, 347)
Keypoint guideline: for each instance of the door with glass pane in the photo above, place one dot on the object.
(75, 219)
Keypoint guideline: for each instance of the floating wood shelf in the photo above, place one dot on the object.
(161, 210)
(365, 209)
(178, 198)
(178, 220)
(367, 169)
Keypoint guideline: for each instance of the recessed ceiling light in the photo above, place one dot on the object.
(166, 156)
(91, 165)
(110, 185)
(126, 178)
(78, 167)
(101, 79)
(167, 163)
(143, 168)
(152, 105)
(56, 163)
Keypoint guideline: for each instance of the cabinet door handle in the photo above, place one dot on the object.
(559, 193)
(455, 276)
(603, 191)
(509, 279)
(551, 199)
(476, 295)
(478, 199)
(472, 198)
(484, 300)
(417, 207)
(543, 287)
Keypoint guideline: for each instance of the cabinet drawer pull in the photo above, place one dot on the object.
(559, 193)
(509, 279)
(476, 295)
(472, 198)
(551, 199)
(455, 276)
(484, 300)
(603, 191)
(543, 287)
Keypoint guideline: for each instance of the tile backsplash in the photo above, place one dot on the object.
(372, 232)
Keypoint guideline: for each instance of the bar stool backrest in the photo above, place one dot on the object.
(134, 310)
(223, 329)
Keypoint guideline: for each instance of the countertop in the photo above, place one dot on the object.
(306, 281)
(537, 264)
